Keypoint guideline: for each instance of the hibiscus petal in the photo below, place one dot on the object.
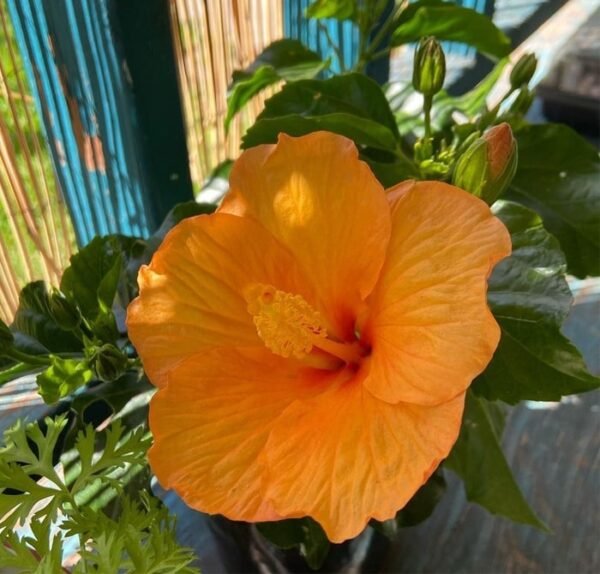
(430, 327)
(326, 206)
(210, 425)
(191, 294)
(346, 457)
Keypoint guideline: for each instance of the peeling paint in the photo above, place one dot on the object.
(60, 152)
(93, 153)
(90, 147)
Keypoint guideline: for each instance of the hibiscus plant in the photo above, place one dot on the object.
(311, 356)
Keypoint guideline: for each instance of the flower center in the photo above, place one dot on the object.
(289, 326)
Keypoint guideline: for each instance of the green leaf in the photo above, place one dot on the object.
(107, 289)
(409, 123)
(285, 59)
(391, 173)
(27, 454)
(302, 533)
(353, 94)
(101, 280)
(122, 447)
(447, 21)
(419, 508)
(62, 377)
(17, 556)
(530, 299)
(139, 536)
(115, 394)
(360, 130)
(142, 539)
(351, 105)
(33, 319)
(92, 279)
(423, 503)
(216, 184)
(30, 345)
(558, 175)
(478, 459)
(338, 9)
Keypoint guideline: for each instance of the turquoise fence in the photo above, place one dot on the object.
(102, 73)
(74, 57)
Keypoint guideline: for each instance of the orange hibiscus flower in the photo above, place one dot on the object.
(313, 340)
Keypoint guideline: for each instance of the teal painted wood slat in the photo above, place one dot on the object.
(310, 33)
(82, 85)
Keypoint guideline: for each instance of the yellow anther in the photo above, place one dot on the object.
(286, 323)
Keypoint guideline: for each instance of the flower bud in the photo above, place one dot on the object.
(108, 362)
(6, 338)
(488, 165)
(523, 101)
(63, 311)
(429, 68)
(523, 70)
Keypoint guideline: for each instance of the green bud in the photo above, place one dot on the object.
(469, 140)
(432, 169)
(63, 311)
(6, 338)
(523, 101)
(488, 165)
(429, 68)
(523, 71)
(108, 362)
(423, 149)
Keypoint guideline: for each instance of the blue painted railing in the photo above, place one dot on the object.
(82, 94)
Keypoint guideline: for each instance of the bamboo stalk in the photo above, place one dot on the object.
(212, 39)
(17, 187)
(37, 237)
(58, 253)
(42, 237)
(15, 231)
(9, 285)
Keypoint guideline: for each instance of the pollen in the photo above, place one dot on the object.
(286, 323)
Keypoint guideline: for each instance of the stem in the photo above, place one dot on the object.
(86, 329)
(38, 557)
(39, 360)
(75, 507)
(333, 45)
(490, 117)
(427, 101)
(508, 94)
(362, 50)
(78, 332)
(82, 547)
(28, 359)
(371, 53)
(380, 54)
